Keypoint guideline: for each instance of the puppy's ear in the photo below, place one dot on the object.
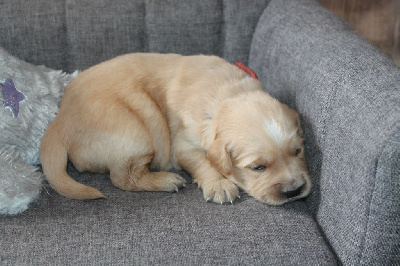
(296, 119)
(298, 124)
(299, 129)
(219, 157)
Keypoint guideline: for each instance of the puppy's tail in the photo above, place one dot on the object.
(54, 158)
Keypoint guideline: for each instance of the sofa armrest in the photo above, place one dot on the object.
(348, 94)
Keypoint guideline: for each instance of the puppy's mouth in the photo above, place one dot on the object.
(294, 193)
(278, 195)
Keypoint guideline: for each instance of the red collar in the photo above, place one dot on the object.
(246, 69)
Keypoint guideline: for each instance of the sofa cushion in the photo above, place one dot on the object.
(77, 34)
(131, 228)
(347, 93)
(33, 31)
(221, 28)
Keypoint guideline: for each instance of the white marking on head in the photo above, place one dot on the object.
(276, 132)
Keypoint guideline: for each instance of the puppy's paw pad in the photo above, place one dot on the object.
(220, 191)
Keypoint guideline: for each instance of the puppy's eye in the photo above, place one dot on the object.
(259, 168)
(298, 151)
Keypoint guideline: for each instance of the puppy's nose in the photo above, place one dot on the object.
(294, 193)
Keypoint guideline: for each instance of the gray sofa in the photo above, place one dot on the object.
(348, 95)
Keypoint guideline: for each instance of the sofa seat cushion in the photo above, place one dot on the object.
(131, 228)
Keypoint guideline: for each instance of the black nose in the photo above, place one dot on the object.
(294, 193)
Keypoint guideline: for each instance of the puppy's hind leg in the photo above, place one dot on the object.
(134, 175)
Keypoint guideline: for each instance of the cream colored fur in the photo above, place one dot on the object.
(156, 111)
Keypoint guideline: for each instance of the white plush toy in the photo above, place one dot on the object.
(29, 98)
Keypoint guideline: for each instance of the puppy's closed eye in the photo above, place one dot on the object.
(258, 168)
(298, 151)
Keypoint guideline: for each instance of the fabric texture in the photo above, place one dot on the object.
(348, 95)
(30, 97)
(72, 34)
(157, 228)
(32, 31)
(383, 222)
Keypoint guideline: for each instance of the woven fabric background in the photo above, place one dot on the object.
(348, 94)
(76, 34)
(150, 228)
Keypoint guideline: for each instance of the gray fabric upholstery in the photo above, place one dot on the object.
(383, 221)
(348, 95)
(160, 229)
(346, 91)
(76, 34)
(31, 31)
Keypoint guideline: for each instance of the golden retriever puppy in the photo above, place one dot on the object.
(142, 112)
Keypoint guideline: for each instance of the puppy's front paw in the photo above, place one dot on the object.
(173, 182)
(220, 191)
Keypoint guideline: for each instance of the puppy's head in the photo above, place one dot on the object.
(258, 145)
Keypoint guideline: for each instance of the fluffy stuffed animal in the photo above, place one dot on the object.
(30, 96)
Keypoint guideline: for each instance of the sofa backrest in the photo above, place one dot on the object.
(348, 95)
(75, 34)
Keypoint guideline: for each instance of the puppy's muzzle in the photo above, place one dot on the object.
(297, 187)
(294, 193)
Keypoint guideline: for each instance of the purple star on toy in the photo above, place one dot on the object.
(11, 97)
